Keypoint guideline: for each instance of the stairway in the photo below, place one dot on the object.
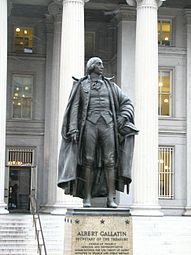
(53, 229)
(17, 235)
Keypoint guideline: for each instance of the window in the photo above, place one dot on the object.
(89, 43)
(20, 157)
(23, 39)
(166, 172)
(164, 92)
(165, 32)
(22, 90)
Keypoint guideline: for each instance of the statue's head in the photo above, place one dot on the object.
(92, 62)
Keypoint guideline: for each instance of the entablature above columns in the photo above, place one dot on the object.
(148, 3)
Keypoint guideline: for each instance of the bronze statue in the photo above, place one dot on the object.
(97, 138)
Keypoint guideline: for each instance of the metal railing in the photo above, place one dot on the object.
(38, 226)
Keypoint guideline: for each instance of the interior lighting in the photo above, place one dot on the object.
(25, 32)
(165, 100)
(16, 94)
(17, 89)
(18, 29)
(15, 163)
(166, 38)
(26, 88)
(19, 104)
(160, 84)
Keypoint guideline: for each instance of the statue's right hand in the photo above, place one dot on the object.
(74, 137)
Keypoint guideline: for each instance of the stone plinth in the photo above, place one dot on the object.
(98, 231)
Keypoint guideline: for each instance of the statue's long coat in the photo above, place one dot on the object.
(70, 171)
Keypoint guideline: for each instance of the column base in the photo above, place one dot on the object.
(187, 211)
(59, 209)
(146, 210)
(47, 208)
(3, 210)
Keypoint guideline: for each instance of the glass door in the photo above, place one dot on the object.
(19, 188)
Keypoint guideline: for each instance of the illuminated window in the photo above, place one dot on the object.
(22, 90)
(23, 39)
(165, 32)
(164, 93)
(166, 172)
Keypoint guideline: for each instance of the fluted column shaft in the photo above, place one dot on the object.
(51, 132)
(3, 96)
(145, 174)
(71, 64)
(188, 204)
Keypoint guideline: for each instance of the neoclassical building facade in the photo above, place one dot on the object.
(44, 43)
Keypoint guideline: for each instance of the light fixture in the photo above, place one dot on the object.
(166, 38)
(160, 84)
(26, 88)
(23, 95)
(25, 32)
(165, 100)
(18, 29)
(16, 94)
(17, 89)
(19, 104)
(15, 163)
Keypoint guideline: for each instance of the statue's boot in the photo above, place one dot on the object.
(88, 186)
(110, 175)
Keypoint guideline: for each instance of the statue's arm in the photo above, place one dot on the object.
(73, 116)
(125, 107)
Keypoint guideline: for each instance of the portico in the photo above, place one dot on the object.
(136, 65)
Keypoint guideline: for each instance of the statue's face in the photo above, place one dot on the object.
(98, 68)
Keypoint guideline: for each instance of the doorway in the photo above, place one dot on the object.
(19, 189)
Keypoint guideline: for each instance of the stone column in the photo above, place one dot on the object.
(71, 64)
(52, 88)
(126, 23)
(126, 18)
(145, 174)
(3, 97)
(55, 10)
(188, 205)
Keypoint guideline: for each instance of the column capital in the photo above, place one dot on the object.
(55, 8)
(152, 3)
(126, 13)
(75, 1)
(188, 16)
(9, 7)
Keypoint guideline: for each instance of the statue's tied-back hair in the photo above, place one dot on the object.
(91, 64)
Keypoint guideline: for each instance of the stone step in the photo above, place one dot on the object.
(18, 251)
(17, 234)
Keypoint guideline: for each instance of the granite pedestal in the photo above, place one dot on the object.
(98, 231)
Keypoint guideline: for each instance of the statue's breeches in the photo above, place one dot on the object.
(99, 135)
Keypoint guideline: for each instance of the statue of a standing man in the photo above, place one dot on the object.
(97, 138)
